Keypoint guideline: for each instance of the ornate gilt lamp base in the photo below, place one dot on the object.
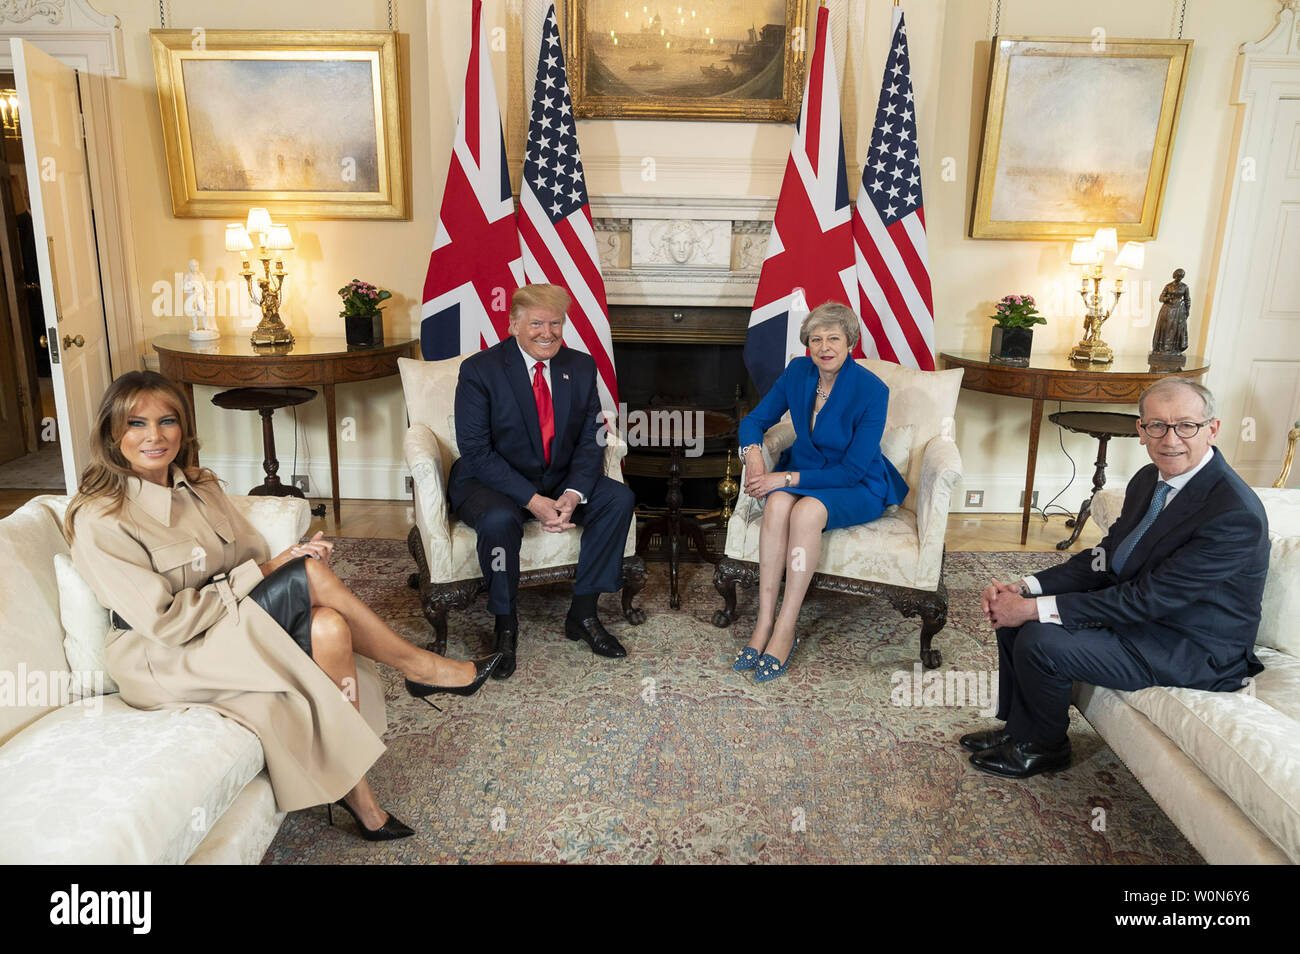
(1093, 352)
(271, 331)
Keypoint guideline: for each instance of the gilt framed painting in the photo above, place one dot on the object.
(1078, 135)
(738, 60)
(307, 124)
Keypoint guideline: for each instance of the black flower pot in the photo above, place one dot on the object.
(364, 331)
(1011, 346)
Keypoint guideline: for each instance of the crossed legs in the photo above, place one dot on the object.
(341, 624)
(790, 542)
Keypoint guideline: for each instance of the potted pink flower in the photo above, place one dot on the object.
(1013, 335)
(364, 322)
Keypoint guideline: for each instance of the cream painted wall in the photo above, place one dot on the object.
(949, 47)
(393, 255)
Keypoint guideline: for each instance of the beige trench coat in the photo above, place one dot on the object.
(210, 645)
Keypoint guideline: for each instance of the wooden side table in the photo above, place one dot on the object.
(320, 361)
(1054, 377)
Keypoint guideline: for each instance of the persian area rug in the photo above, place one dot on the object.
(669, 757)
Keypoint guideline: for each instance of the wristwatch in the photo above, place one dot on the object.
(788, 475)
(1025, 591)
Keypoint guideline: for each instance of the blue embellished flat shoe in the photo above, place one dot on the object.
(769, 668)
(746, 659)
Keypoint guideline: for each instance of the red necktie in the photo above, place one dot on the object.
(545, 412)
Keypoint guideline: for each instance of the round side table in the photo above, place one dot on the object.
(1102, 425)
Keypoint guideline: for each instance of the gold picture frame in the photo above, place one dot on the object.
(1078, 135)
(720, 75)
(308, 124)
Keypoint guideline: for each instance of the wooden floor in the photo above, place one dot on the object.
(393, 519)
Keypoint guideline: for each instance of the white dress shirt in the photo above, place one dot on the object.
(530, 365)
(1047, 604)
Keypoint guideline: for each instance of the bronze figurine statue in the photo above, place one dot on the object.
(1170, 340)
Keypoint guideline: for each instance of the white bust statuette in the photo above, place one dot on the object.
(194, 294)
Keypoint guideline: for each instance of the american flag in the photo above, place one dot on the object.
(810, 252)
(555, 233)
(889, 225)
(475, 263)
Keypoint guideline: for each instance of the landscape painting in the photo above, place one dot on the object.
(252, 125)
(1076, 138)
(307, 124)
(726, 59)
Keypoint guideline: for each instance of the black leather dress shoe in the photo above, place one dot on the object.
(594, 635)
(507, 646)
(1022, 759)
(988, 739)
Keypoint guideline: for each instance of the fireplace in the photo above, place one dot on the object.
(690, 358)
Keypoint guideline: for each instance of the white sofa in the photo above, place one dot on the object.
(1224, 766)
(95, 781)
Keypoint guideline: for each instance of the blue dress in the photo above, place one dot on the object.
(839, 459)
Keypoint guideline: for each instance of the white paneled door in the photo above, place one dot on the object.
(1257, 365)
(75, 334)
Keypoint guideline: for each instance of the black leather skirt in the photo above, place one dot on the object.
(285, 596)
(287, 599)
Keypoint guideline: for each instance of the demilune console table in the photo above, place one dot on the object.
(1054, 377)
(322, 361)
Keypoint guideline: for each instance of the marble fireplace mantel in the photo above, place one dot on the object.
(681, 250)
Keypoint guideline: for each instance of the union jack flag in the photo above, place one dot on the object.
(555, 233)
(897, 306)
(810, 252)
(475, 263)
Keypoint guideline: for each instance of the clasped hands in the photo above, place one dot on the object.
(1004, 606)
(554, 515)
(758, 482)
(318, 548)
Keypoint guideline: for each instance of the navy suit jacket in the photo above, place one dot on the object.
(1188, 598)
(500, 438)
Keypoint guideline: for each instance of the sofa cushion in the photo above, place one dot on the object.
(99, 782)
(85, 630)
(1280, 609)
(1247, 747)
(1279, 683)
(31, 636)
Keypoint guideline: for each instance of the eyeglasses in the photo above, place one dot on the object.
(1184, 429)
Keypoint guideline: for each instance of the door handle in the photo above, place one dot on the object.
(69, 341)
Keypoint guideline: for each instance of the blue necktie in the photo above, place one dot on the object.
(1131, 541)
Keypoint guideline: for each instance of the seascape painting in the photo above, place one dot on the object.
(716, 59)
(307, 124)
(1078, 135)
(282, 125)
(1067, 158)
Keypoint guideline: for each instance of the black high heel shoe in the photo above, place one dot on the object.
(483, 668)
(388, 831)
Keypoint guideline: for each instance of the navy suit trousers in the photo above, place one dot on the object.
(1038, 663)
(499, 523)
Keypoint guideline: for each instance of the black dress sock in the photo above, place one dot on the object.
(584, 606)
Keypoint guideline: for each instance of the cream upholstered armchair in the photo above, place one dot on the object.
(900, 555)
(443, 547)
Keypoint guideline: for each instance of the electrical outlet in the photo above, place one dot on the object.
(302, 482)
(1033, 500)
(974, 498)
(410, 484)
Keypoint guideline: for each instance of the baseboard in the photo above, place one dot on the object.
(1002, 492)
(360, 481)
